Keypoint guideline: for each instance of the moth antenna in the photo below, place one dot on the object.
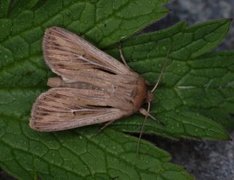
(161, 73)
(122, 56)
(146, 114)
(159, 79)
(140, 135)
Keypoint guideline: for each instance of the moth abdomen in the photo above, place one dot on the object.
(54, 82)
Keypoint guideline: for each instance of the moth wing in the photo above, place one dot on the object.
(66, 108)
(66, 53)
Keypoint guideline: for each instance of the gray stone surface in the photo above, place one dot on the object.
(205, 160)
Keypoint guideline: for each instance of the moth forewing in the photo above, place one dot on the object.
(92, 86)
(59, 109)
(61, 47)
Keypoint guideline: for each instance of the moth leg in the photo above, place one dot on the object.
(146, 113)
(106, 124)
(122, 56)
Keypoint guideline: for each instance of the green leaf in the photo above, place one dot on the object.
(192, 83)
(103, 22)
(80, 153)
(11, 8)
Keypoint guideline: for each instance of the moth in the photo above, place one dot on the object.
(91, 87)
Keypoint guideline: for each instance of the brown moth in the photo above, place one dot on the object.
(92, 87)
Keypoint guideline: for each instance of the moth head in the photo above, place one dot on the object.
(149, 98)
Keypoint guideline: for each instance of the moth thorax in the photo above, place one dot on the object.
(141, 94)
